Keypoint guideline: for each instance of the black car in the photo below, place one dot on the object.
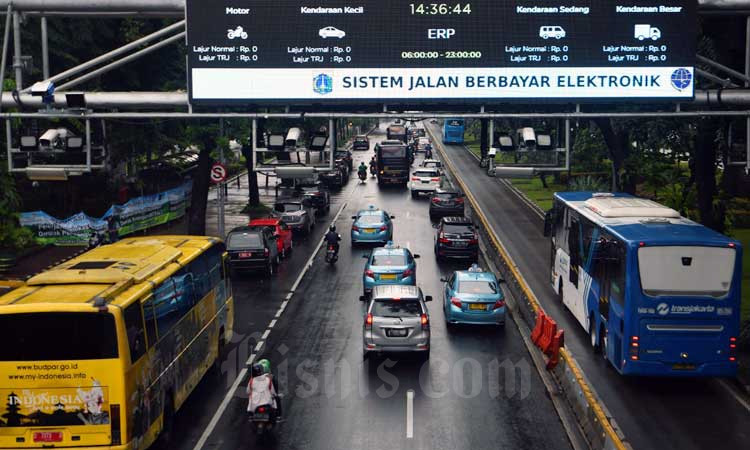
(446, 203)
(319, 196)
(345, 155)
(335, 178)
(456, 237)
(251, 248)
(361, 143)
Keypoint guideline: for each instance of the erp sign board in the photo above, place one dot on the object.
(391, 51)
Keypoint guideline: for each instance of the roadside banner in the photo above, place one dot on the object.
(137, 214)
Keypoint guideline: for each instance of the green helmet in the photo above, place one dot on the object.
(266, 365)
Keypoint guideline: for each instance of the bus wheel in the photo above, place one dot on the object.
(592, 334)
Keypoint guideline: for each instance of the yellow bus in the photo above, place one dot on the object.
(102, 350)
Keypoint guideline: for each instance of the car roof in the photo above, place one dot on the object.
(455, 220)
(244, 229)
(370, 212)
(388, 291)
(266, 221)
(361, 136)
(467, 275)
(446, 191)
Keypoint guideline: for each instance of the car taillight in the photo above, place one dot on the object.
(455, 301)
(443, 240)
(383, 228)
(368, 322)
(407, 273)
(436, 200)
(474, 240)
(459, 200)
(634, 347)
(415, 179)
(425, 321)
(369, 273)
(262, 409)
(434, 179)
(266, 252)
(499, 304)
(355, 228)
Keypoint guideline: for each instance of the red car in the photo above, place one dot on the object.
(280, 229)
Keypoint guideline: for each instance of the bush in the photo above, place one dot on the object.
(587, 183)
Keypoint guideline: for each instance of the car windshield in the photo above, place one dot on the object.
(370, 219)
(431, 164)
(397, 308)
(477, 287)
(388, 260)
(458, 229)
(244, 240)
(361, 140)
(288, 207)
(446, 195)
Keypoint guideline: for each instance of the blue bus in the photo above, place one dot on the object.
(453, 131)
(658, 294)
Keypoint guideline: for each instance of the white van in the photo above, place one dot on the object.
(553, 31)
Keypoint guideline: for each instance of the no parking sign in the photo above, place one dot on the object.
(218, 173)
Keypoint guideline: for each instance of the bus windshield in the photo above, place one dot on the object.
(455, 123)
(686, 271)
(57, 336)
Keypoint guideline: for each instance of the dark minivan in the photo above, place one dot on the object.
(456, 237)
(251, 248)
(446, 203)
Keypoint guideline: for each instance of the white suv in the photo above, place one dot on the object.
(425, 180)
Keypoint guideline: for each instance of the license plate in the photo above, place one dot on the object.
(246, 255)
(460, 244)
(369, 230)
(683, 367)
(388, 277)
(260, 417)
(477, 307)
(425, 182)
(396, 333)
(48, 436)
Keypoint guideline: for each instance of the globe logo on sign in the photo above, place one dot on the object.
(323, 84)
(681, 79)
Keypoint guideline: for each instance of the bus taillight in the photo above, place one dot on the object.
(732, 349)
(634, 346)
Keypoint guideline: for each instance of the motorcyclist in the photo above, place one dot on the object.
(362, 170)
(373, 166)
(333, 238)
(428, 151)
(262, 388)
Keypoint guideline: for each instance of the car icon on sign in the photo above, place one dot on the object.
(331, 32)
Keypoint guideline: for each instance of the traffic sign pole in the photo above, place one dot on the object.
(222, 235)
(218, 177)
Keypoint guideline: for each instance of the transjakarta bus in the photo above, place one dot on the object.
(658, 293)
(102, 350)
(453, 131)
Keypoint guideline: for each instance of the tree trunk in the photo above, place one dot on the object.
(617, 144)
(704, 170)
(199, 200)
(253, 197)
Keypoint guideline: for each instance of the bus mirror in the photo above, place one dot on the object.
(548, 223)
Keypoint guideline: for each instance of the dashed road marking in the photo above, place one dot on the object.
(409, 414)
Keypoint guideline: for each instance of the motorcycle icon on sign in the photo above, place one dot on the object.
(238, 32)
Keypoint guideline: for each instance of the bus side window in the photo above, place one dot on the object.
(150, 319)
(201, 276)
(617, 276)
(136, 335)
(574, 237)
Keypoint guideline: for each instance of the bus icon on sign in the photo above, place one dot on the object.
(323, 84)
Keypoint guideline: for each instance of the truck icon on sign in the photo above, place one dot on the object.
(646, 31)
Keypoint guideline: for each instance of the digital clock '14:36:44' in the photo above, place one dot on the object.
(440, 9)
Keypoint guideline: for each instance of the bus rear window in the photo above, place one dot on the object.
(57, 336)
(686, 271)
(393, 152)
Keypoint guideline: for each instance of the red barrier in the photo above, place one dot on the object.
(537, 332)
(548, 334)
(554, 350)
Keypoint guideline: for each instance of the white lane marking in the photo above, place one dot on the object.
(409, 414)
(259, 346)
(225, 402)
(289, 295)
(283, 305)
(265, 334)
(272, 324)
(737, 396)
(250, 360)
(219, 412)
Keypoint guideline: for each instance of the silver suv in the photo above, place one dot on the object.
(397, 320)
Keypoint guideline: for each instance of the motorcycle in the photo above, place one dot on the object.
(331, 254)
(373, 170)
(428, 153)
(263, 420)
(362, 176)
(238, 32)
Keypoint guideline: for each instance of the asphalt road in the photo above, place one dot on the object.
(479, 390)
(654, 413)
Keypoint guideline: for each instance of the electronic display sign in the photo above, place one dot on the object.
(392, 51)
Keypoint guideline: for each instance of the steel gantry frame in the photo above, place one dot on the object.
(734, 92)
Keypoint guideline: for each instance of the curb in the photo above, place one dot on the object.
(596, 423)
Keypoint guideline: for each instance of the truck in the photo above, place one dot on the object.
(396, 132)
(392, 162)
